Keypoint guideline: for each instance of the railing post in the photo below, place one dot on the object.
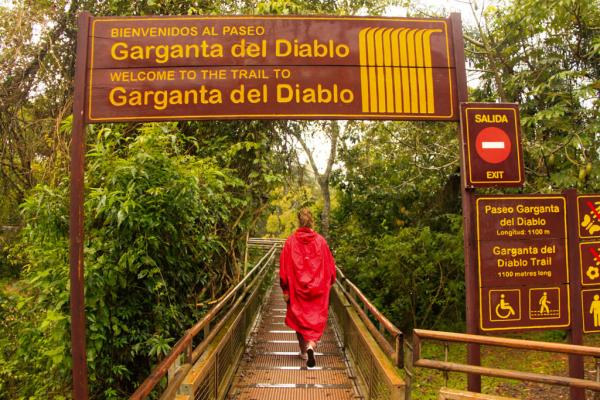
(207, 330)
(408, 369)
(597, 362)
(188, 355)
(416, 348)
(399, 351)
(445, 360)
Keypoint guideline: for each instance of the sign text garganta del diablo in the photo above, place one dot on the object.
(163, 68)
(523, 262)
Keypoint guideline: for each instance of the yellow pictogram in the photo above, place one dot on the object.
(504, 309)
(592, 272)
(505, 304)
(595, 310)
(591, 220)
(544, 303)
(396, 70)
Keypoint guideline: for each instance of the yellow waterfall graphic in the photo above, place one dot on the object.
(396, 70)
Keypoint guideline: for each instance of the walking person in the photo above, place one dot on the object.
(306, 272)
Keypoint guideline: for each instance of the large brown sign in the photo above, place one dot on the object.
(522, 262)
(492, 133)
(164, 68)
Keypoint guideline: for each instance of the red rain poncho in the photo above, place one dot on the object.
(306, 272)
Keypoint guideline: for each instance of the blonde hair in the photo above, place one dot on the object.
(305, 218)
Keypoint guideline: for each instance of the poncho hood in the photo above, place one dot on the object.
(305, 235)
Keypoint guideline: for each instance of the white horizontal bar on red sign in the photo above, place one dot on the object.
(492, 145)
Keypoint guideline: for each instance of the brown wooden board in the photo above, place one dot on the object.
(522, 252)
(493, 153)
(588, 216)
(294, 67)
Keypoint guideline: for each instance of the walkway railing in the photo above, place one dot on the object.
(420, 335)
(202, 363)
(387, 335)
(373, 344)
(228, 321)
(375, 352)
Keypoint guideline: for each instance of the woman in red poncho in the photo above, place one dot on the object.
(306, 272)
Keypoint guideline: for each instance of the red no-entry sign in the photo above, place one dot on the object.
(493, 145)
(493, 155)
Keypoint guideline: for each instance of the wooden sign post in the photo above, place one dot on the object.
(132, 69)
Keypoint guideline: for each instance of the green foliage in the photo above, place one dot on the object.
(545, 55)
(285, 203)
(414, 276)
(397, 231)
(154, 248)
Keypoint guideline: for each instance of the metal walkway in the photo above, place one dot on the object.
(271, 369)
(242, 350)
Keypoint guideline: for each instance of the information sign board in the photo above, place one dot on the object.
(164, 68)
(588, 223)
(492, 134)
(522, 262)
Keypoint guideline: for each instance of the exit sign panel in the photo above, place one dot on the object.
(492, 137)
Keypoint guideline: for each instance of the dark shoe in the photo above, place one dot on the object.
(311, 362)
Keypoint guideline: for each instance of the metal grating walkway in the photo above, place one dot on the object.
(272, 370)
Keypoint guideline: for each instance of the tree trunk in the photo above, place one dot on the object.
(324, 184)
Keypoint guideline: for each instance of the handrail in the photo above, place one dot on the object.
(352, 292)
(184, 344)
(506, 342)
(420, 334)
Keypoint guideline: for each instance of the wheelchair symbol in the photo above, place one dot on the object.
(503, 309)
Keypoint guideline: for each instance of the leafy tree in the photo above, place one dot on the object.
(545, 55)
(158, 228)
(397, 230)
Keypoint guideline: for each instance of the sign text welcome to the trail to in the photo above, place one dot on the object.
(163, 68)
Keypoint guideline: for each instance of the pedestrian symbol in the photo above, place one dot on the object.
(590, 303)
(544, 303)
(544, 309)
(505, 305)
(595, 310)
